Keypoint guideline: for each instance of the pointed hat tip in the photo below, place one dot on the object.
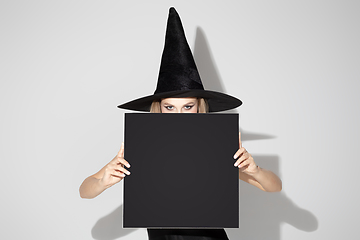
(172, 10)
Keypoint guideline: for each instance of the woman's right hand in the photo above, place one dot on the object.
(111, 173)
(115, 170)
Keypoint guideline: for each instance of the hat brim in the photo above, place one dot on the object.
(217, 101)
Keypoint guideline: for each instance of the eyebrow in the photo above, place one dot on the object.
(165, 103)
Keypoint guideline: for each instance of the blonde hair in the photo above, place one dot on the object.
(203, 106)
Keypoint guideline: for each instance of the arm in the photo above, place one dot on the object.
(110, 174)
(251, 173)
(91, 187)
(263, 179)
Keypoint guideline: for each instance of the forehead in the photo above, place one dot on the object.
(178, 100)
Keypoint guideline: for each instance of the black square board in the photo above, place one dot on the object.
(182, 172)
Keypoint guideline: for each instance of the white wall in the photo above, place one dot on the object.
(66, 65)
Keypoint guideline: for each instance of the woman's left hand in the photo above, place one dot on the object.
(245, 161)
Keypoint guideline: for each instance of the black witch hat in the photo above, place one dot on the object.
(178, 75)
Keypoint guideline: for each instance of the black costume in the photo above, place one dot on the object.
(187, 234)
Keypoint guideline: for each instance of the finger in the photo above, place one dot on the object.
(237, 163)
(243, 158)
(118, 161)
(244, 163)
(123, 170)
(121, 152)
(112, 172)
(239, 152)
(123, 162)
(243, 168)
(119, 174)
(240, 144)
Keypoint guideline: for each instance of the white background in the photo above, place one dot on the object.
(66, 65)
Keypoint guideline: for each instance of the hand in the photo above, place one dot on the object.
(114, 171)
(245, 163)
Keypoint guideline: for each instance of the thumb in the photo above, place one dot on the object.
(121, 152)
(240, 144)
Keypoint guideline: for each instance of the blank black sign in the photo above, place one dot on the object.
(182, 171)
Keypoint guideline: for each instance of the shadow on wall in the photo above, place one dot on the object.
(261, 213)
(110, 227)
(258, 210)
(209, 74)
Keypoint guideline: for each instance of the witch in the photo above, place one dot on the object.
(180, 90)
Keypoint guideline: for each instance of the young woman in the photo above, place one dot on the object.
(180, 90)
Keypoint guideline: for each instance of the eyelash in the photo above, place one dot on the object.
(188, 107)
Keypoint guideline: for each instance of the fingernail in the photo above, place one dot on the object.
(235, 156)
(128, 165)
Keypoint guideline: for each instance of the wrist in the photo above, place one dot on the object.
(255, 172)
(101, 185)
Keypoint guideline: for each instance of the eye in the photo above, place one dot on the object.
(169, 107)
(188, 107)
